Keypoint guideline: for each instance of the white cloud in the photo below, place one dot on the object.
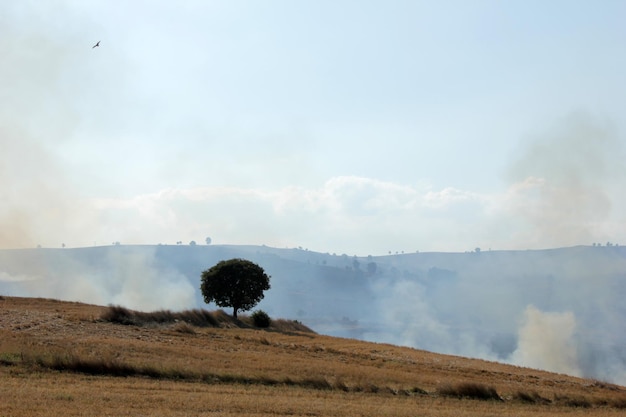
(349, 214)
(450, 196)
(346, 214)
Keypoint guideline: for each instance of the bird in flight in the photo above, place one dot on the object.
(97, 44)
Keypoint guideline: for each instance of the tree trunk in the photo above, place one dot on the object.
(235, 313)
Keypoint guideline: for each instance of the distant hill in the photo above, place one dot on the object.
(557, 309)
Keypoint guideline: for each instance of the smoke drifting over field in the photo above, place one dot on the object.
(128, 278)
(559, 310)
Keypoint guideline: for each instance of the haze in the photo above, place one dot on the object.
(354, 126)
(344, 128)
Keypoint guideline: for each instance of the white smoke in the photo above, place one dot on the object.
(135, 281)
(566, 184)
(546, 340)
(143, 286)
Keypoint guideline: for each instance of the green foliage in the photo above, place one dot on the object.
(261, 319)
(236, 283)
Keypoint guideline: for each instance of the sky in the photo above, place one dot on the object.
(359, 127)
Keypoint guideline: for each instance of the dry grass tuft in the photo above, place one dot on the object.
(618, 403)
(9, 359)
(118, 315)
(90, 366)
(318, 383)
(577, 401)
(532, 397)
(287, 326)
(470, 390)
(195, 317)
(417, 391)
(113, 367)
(184, 327)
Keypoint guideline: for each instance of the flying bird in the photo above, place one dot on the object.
(97, 44)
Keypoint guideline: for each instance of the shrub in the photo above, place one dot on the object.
(261, 319)
(119, 315)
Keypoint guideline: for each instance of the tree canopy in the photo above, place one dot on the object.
(236, 283)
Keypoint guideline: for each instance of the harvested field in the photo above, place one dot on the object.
(62, 359)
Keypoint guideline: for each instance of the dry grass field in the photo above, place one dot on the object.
(69, 359)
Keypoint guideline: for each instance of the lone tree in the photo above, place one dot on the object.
(235, 283)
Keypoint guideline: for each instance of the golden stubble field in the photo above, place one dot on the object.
(180, 370)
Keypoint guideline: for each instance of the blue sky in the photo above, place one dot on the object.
(357, 127)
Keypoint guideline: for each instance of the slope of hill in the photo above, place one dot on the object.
(61, 359)
(558, 309)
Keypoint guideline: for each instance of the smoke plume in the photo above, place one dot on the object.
(546, 341)
(566, 183)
